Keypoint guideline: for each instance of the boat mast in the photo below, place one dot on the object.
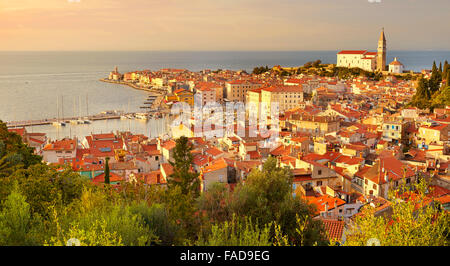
(87, 105)
(62, 107)
(79, 107)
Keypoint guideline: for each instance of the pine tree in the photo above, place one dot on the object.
(183, 176)
(107, 181)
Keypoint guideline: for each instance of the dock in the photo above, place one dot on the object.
(43, 122)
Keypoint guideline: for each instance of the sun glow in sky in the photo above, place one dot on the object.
(222, 24)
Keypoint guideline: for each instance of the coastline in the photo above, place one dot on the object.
(157, 103)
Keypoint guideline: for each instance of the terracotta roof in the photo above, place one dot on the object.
(168, 145)
(353, 52)
(284, 89)
(19, 131)
(214, 151)
(112, 178)
(59, 145)
(334, 229)
(215, 165)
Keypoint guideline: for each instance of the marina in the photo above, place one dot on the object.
(108, 115)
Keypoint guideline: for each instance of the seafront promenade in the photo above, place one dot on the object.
(133, 85)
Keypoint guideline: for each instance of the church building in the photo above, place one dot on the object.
(369, 61)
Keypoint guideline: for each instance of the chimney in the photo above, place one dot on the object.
(326, 207)
(158, 178)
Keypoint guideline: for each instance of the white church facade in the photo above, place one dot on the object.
(362, 59)
(369, 61)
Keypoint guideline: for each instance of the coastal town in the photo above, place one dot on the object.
(346, 140)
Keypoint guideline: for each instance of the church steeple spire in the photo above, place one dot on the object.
(381, 55)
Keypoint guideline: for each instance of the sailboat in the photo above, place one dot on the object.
(127, 116)
(75, 121)
(58, 122)
(86, 118)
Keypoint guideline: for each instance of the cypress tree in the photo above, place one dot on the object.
(435, 80)
(107, 181)
(440, 67)
(445, 68)
(447, 80)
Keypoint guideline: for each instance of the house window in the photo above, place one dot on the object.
(367, 182)
(319, 183)
(408, 180)
(374, 186)
(156, 158)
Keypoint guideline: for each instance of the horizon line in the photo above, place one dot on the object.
(325, 50)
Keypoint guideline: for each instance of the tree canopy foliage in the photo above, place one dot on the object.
(42, 205)
(416, 220)
(433, 92)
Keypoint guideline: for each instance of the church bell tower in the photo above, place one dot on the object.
(381, 55)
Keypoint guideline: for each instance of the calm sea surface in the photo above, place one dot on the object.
(32, 83)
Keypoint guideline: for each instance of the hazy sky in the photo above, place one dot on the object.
(223, 24)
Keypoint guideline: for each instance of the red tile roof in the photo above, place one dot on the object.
(353, 52)
(60, 145)
(112, 178)
(334, 229)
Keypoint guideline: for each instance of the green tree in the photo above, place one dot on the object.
(17, 225)
(95, 235)
(183, 175)
(107, 174)
(183, 211)
(14, 154)
(216, 202)
(238, 232)
(435, 79)
(156, 217)
(44, 187)
(423, 94)
(447, 79)
(445, 71)
(416, 221)
(442, 98)
(267, 197)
